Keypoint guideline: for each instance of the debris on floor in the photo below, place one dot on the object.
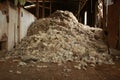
(67, 70)
(22, 63)
(10, 71)
(61, 38)
(41, 66)
(18, 72)
(115, 53)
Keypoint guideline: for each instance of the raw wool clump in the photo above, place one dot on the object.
(61, 38)
(64, 16)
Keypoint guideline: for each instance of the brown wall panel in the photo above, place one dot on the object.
(113, 23)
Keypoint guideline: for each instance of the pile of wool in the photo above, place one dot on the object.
(61, 38)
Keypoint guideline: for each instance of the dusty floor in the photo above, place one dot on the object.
(9, 70)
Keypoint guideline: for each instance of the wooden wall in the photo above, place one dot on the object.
(113, 23)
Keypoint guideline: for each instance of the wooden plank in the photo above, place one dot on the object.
(44, 7)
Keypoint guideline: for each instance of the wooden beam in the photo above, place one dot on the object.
(38, 0)
(82, 4)
(44, 7)
(34, 5)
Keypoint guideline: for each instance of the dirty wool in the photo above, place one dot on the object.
(61, 38)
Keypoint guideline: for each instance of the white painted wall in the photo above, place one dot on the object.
(11, 30)
(26, 20)
(12, 27)
(3, 25)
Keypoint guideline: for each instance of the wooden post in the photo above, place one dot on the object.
(18, 27)
(7, 16)
(43, 9)
(119, 33)
(50, 6)
(37, 9)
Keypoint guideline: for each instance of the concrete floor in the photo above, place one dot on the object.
(9, 70)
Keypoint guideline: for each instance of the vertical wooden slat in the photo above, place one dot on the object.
(50, 6)
(43, 8)
(18, 27)
(37, 9)
(119, 31)
(7, 24)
